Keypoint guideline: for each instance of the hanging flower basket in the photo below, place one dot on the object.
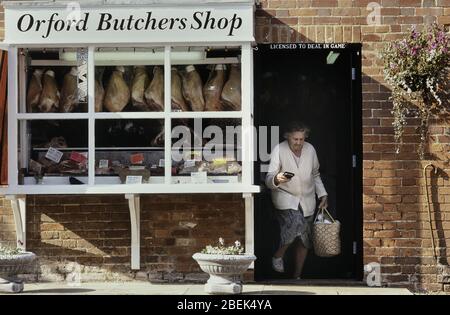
(416, 82)
(416, 68)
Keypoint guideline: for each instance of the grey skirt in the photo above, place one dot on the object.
(293, 224)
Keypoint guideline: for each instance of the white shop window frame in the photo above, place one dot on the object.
(15, 114)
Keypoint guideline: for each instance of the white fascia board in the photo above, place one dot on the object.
(64, 3)
(130, 189)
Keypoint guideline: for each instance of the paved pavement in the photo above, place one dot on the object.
(147, 288)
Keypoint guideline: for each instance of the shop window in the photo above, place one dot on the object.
(129, 151)
(53, 152)
(206, 151)
(101, 116)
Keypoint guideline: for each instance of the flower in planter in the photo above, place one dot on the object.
(225, 266)
(221, 249)
(6, 252)
(416, 68)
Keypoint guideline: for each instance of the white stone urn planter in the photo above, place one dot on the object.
(225, 271)
(12, 265)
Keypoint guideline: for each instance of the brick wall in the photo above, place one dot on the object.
(7, 228)
(94, 232)
(396, 233)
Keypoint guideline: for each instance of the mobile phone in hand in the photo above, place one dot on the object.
(288, 175)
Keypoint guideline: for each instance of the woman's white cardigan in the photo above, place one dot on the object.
(301, 189)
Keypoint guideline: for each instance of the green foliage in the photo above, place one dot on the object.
(8, 251)
(416, 68)
(221, 249)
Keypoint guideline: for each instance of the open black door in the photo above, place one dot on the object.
(320, 85)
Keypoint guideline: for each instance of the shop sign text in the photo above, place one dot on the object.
(307, 46)
(229, 24)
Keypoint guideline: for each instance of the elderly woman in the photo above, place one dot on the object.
(294, 197)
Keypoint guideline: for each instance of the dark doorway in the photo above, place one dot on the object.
(319, 85)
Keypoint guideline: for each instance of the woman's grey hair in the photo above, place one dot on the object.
(295, 126)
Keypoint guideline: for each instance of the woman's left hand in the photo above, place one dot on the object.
(323, 202)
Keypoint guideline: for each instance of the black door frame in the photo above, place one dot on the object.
(356, 53)
(355, 50)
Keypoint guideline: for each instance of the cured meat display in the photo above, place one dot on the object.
(117, 92)
(129, 171)
(49, 99)
(68, 163)
(44, 167)
(193, 89)
(129, 148)
(231, 94)
(178, 102)
(138, 86)
(69, 92)
(34, 91)
(213, 89)
(124, 89)
(214, 167)
(154, 94)
(99, 90)
(199, 166)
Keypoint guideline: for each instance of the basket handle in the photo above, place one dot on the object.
(322, 210)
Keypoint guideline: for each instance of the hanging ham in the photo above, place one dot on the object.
(213, 88)
(178, 102)
(99, 96)
(192, 89)
(99, 90)
(138, 86)
(49, 100)
(69, 91)
(117, 93)
(154, 94)
(34, 91)
(231, 94)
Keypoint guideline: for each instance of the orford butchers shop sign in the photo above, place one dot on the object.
(128, 25)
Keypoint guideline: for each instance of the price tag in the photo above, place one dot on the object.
(77, 157)
(54, 155)
(133, 180)
(162, 163)
(199, 178)
(103, 164)
(137, 158)
(189, 163)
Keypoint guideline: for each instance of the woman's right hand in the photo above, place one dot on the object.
(280, 179)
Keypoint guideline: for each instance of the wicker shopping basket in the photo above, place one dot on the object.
(326, 236)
